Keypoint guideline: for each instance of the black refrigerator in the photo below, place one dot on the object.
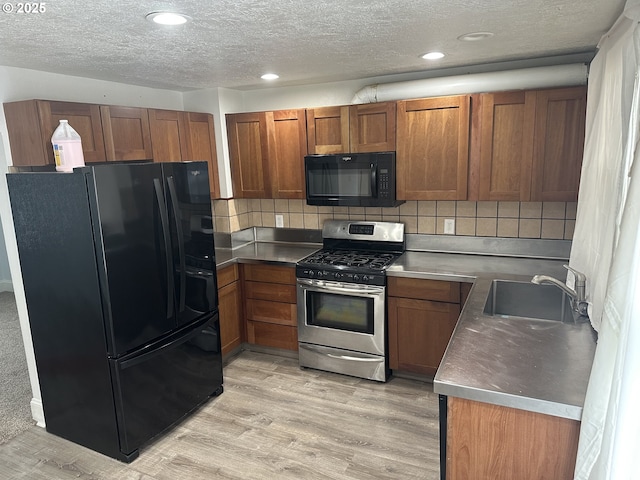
(119, 272)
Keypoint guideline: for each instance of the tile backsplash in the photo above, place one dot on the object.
(549, 220)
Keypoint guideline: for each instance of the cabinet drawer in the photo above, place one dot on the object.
(270, 273)
(271, 312)
(437, 290)
(227, 275)
(272, 335)
(275, 292)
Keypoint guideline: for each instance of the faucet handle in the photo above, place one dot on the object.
(580, 277)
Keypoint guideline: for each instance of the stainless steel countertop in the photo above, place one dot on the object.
(540, 366)
(536, 365)
(263, 252)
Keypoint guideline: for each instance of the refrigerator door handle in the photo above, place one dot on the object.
(176, 215)
(164, 220)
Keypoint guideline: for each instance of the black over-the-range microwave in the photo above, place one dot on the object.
(351, 179)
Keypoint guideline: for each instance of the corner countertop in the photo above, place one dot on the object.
(534, 365)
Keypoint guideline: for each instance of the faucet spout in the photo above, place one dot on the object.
(578, 301)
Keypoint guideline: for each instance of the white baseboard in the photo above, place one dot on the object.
(37, 412)
(6, 286)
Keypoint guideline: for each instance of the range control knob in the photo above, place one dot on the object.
(337, 275)
(312, 273)
(356, 277)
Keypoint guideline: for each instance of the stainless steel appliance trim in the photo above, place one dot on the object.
(382, 231)
(361, 365)
(341, 287)
(353, 341)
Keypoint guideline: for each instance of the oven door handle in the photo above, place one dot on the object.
(369, 290)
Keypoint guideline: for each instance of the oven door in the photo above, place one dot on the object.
(342, 315)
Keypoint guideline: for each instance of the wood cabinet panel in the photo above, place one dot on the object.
(419, 332)
(275, 292)
(425, 289)
(271, 312)
(506, 149)
(227, 275)
(328, 130)
(168, 138)
(201, 145)
(287, 135)
(185, 136)
(272, 335)
(126, 132)
(269, 273)
(248, 152)
(31, 124)
(231, 324)
(433, 148)
(372, 127)
(559, 144)
(490, 442)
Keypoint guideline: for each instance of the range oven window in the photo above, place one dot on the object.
(342, 312)
(332, 181)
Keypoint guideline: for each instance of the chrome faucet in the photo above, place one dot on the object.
(578, 300)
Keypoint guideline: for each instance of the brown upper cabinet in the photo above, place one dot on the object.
(182, 136)
(558, 144)
(267, 152)
(31, 124)
(351, 129)
(530, 145)
(126, 132)
(433, 148)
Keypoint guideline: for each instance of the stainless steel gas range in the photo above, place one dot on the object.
(341, 293)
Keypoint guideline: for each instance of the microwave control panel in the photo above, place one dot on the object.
(383, 179)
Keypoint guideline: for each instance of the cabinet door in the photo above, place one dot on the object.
(287, 134)
(419, 332)
(248, 152)
(167, 135)
(559, 143)
(506, 145)
(201, 145)
(126, 133)
(328, 130)
(31, 123)
(84, 118)
(231, 324)
(373, 127)
(433, 148)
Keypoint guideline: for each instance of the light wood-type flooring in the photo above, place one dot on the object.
(273, 421)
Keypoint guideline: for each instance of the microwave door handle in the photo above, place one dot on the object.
(374, 180)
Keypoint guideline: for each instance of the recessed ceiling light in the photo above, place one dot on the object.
(433, 55)
(475, 36)
(270, 76)
(167, 18)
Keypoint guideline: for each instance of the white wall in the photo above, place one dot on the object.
(21, 84)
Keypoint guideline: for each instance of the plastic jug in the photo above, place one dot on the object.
(67, 148)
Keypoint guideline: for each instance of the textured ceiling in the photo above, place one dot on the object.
(230, 43)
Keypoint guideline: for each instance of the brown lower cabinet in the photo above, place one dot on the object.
(270, 305)
(421, 316)
(230, 306)
(491, 442)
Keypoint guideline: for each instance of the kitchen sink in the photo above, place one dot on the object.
(508, 299)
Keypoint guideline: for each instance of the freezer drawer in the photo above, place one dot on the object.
(156, 388)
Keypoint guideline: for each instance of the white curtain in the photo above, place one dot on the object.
(607, 249)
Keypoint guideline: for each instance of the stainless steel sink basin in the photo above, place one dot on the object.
(528, 300)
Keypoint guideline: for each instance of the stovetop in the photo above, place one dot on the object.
(354, 252)
(355, 259)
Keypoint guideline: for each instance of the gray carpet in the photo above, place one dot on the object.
(15, 390)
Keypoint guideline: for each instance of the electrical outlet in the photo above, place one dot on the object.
(279, 221)
(449, 226)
